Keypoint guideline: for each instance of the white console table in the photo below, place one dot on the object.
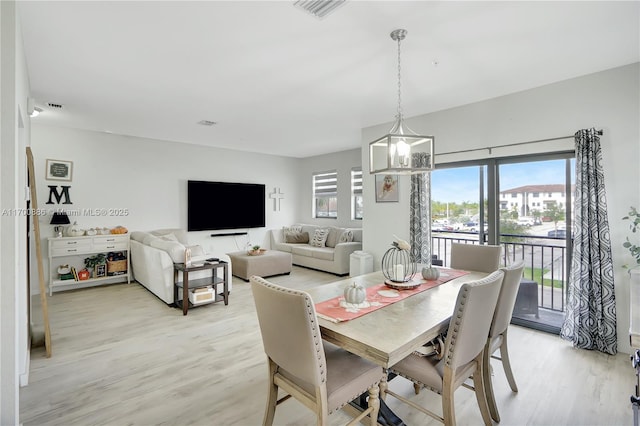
(73, 250)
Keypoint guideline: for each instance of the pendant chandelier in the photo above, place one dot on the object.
(401, 151)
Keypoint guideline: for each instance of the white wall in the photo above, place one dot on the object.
(149, 178)
(608, 100)
(14, 133)
(343, 162)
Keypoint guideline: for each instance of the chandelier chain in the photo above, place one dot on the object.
(399, 83)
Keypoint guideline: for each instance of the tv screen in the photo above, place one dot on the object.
(224, 205)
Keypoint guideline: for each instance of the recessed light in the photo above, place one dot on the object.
(36, 112)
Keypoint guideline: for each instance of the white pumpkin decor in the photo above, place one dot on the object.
(429, 273)
(355, 294)
(75, 231)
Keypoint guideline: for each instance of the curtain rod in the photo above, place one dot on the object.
(598, 132)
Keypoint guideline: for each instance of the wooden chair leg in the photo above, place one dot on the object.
(479, 391)
(506, 364)
(488, 383)
(272, 399)
(448, 410)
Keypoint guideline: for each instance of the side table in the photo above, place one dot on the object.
(212, 281)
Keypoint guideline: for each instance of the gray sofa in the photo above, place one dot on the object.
(333, 257)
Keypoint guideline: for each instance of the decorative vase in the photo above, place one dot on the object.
(355, 294)
(429, 273)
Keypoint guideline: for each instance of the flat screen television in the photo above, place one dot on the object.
(224, 205)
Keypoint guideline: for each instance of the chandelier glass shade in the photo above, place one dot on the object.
(401, 151)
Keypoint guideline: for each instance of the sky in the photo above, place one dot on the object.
(461, 184)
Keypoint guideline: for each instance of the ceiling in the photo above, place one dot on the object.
(277, 80)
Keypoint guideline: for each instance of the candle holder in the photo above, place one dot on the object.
(398, 265)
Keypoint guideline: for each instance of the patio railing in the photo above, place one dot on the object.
(545, 261)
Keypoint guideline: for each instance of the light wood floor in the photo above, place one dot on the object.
(122, 357)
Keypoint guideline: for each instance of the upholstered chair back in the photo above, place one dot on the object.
(507, 298)
(474, 257)
(471, 319)
(293, 344)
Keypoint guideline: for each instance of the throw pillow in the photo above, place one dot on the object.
(292, 228)
(173, 248)
(169, 237)
(346, 237)
(296, 237)
(319, 237)
(334, 234)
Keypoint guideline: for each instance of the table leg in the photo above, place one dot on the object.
(226, 284)
(185, 292)
(384, 385)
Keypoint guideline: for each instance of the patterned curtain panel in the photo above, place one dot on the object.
(590, 322)
(420, 216)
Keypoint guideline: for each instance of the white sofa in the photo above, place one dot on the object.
(333, 257)
(154, 253)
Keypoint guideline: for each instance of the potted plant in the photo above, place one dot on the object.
(634, 217)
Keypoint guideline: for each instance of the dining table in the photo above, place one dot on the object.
(388, 334)
(391, 333)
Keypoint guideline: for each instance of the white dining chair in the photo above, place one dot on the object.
(498, 333)
(463, 353)
(319, 374)
(475, 257)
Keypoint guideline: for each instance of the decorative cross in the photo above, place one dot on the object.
(276, 196)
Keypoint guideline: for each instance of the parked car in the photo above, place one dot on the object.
(557, 233)
(526, 221)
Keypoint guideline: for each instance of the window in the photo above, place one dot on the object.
(325, 195)
(356, 194)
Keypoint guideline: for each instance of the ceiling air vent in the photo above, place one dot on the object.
(319, 8)
(54, 105)
(207, 123)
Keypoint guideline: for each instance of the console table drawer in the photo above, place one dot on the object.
(64, 243)
(66, 251)
(110, 239)
(110, 246)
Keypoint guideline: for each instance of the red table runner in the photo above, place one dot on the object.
(379, 296)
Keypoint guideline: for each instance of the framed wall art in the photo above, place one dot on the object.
(386, 188)
(59, 170)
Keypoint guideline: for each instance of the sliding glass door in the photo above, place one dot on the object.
(523, 204)
(534, 203)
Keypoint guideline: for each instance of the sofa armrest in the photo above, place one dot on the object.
(343, 252)
(345, 249)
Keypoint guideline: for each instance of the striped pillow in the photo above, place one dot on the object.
(319, 237)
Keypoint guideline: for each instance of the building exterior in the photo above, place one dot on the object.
(531, 198)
